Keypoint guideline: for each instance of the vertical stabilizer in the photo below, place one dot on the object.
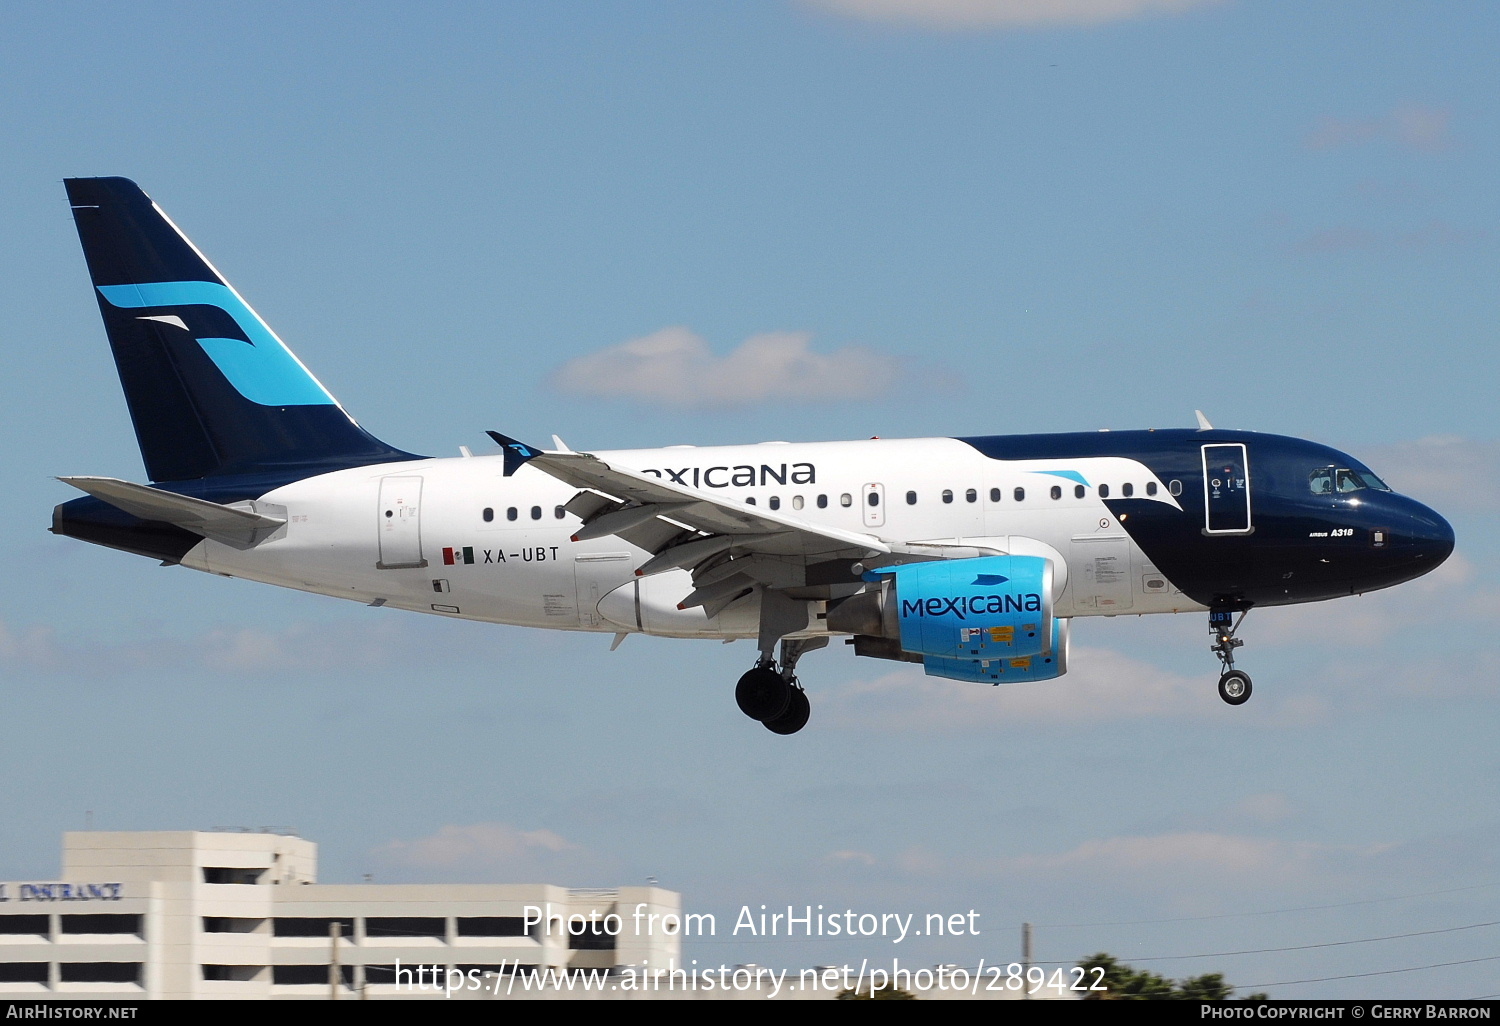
(211, 389)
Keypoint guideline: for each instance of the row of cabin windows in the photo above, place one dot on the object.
(821, 501)
(514, 514)
(1127, 491)
(1019, 494)
(846, 500)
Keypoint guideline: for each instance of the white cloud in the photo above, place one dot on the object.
(477, 852)
(1188, 871)
(299, 647)
(675, 366)
(1432, 235)
(327, 647)
(1189, 851)
(1266, 808)
(477, 843)
(34, 646)
(1410, 126)
(991, 14)
(1100, 685)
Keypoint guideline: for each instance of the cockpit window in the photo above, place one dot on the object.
(1342, 480)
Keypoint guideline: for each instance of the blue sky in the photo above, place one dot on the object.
(997, 216)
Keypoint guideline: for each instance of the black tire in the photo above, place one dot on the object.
(795, 717)
(1234, 687)
(762, 694)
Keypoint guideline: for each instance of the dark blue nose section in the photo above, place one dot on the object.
(1431, 537)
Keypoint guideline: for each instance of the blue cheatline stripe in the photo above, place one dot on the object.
(1071, 475)
(263, 370)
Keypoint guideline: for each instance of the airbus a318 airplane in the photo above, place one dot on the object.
(970, 556)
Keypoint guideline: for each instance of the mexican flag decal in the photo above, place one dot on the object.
(463, 555)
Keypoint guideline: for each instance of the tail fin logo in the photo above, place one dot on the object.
(259, 366)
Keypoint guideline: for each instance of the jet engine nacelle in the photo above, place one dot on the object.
(988, 607)
(1010, 669)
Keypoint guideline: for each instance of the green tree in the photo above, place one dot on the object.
(1208, 987)
(886, 992)
(1123, 982)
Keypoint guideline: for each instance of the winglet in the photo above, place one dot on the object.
(516, 453)
(1203, 424)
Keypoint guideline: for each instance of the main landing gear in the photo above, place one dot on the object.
(1234, 685)
(774, 696)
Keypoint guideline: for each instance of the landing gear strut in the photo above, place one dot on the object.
(1234, 685)
(774, 696)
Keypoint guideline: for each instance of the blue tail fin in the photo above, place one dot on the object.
(211, 389)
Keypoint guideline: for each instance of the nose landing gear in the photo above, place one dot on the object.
(1234, 685)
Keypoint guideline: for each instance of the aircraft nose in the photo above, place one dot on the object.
(1431, 536)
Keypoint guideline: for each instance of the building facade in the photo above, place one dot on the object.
(204, 914)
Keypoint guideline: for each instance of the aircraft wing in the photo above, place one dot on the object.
(728, 545)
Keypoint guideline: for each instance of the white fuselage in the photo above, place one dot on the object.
(397, 534)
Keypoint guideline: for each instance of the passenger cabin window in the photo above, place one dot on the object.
(750, 500)
(1057, 491)
(1079, 491)
(1020, 494)
(1127, 490)
(511, 514)
(796, 502)
(1175, 487)
(1150, 487)
(489, 514)
(1104, 491)
(947, 494)
(823, 502)
(536, 512)
(994, 495)
(774, 502)
(971, 495)
(559, 512)
(846, 499)
(911, 498)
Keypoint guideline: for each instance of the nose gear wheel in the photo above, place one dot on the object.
(1234, 685)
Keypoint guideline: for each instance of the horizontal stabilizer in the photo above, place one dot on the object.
(239, 528)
